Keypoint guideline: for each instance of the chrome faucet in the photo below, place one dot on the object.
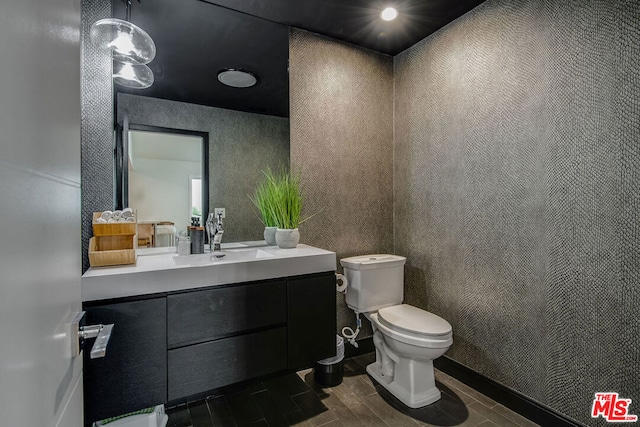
(215, 232)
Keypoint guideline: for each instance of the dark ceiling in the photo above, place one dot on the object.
(197, 38)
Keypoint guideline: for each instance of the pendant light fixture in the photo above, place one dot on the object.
(131, 47)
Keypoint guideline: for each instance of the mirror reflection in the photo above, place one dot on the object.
(247, 128)
(165, 173)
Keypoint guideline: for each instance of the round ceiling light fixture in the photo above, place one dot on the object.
(237, 78)
(389, 14)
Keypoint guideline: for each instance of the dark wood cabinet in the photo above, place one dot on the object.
(204, 315)
(311, 319)
(133, 373)
(201, 367)
(170, 346)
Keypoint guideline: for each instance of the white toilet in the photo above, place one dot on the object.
(407, 339)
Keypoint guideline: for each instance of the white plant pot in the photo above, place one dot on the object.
(287, 238)
(270, 235)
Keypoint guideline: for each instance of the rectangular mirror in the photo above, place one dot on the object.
(247, 128)
(165, 181)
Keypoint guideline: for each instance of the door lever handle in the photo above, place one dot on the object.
(101, 333)
(80, 333)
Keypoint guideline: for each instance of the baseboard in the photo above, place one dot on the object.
(512, 399)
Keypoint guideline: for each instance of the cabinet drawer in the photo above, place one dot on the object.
(214, 313)
(202, 367)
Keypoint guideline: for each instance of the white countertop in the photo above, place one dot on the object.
(166, 272)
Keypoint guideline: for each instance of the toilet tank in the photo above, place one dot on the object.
(375, 281)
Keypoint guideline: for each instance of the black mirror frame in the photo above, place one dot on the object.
(121, 153)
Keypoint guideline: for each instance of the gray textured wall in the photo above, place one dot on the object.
(516, 177)
(342, 141)
(241, 145)
(96, 133)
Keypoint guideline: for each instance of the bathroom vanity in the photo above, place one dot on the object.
(187, 325)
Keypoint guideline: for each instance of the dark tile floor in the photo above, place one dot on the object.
(295, 400)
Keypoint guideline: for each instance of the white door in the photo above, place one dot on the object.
(40, 246)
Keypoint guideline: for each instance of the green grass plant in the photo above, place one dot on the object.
(264, 198)
(279, 198)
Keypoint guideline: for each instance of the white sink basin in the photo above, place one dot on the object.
(166, 272)
(221, 256)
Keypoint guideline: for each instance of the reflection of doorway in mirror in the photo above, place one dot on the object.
(162, 173)
(195, 199)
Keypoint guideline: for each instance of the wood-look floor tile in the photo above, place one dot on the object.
(269, 409)
(359, 386)
(281, 398)
(298, 418)
(447, 411)
(345, 395)
(387, 413)
(451, 390)
(296, 400)
(513, 416)
(332, 423)
(486, 401)
(178, 416)
(243, 408)
(313, 408)
(293, 384)
(200, 416)
(472, 419)
(256, 387)
(348, 418)
(304, 373)
(492, 415)
(220, 412)
(369, 417)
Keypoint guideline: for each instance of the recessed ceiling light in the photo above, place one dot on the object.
(389, 14)
(237, 78)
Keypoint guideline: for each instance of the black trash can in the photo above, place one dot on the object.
(329, 372)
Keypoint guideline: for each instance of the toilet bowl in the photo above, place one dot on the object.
(406, 338)
(404, 357)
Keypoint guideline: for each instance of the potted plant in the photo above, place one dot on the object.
(283, 202)
(264, 198)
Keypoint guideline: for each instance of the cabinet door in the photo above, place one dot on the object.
(198, 368)
(133, 374)
(219, 312)
(311, 322)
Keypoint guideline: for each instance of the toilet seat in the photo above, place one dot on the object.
(414, 321)
(418, 327)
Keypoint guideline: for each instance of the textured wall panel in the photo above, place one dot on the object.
(96, 134)
(241, 145)
(517, 141)
(342, 141)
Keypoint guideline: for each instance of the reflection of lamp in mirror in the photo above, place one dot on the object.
(128, 42)
(132, 75)
(130, 46)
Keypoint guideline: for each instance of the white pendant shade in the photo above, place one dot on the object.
(127, 42)
(135, 76)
